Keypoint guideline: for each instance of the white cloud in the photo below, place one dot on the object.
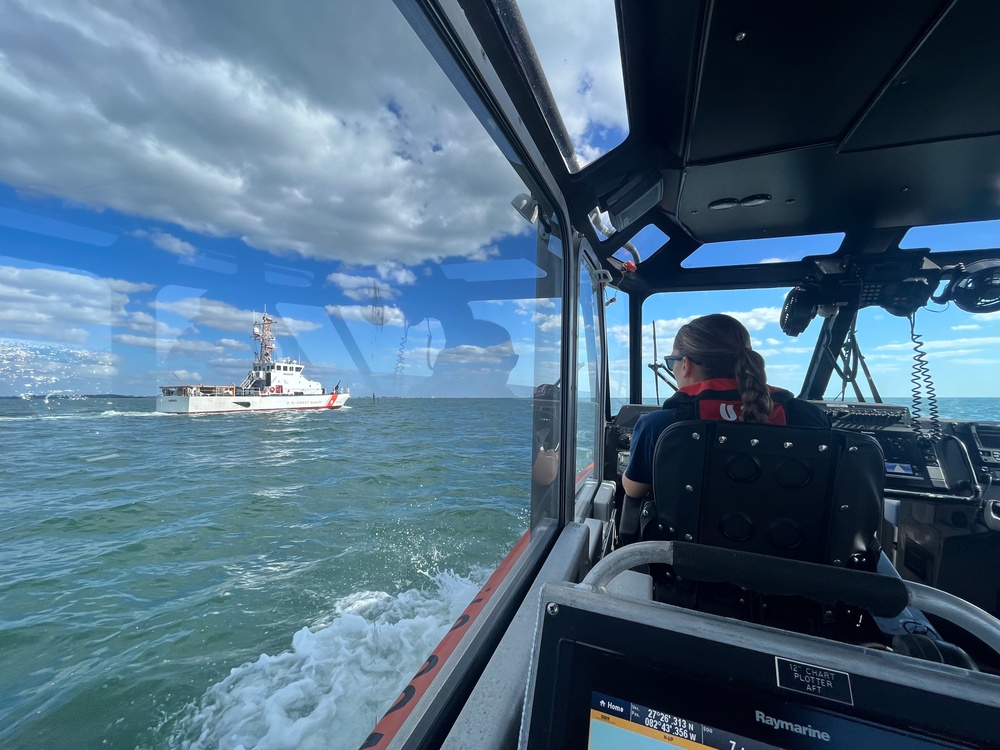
(361, 288)
(202, 311)
(148, 342)
(228, 364)
(547, 323)
(60, 305)
(173, 244)
(208, 312)
(364, 288)
(469, 355)
(754, 320)
(757, 318)
(127, 287)
(585, 76)
(143, 322)
(396, 274)
(250, 120)
(187, 376)
(188, 347)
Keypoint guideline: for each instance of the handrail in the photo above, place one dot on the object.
(932, 497)
(882, 595)
(956, 610)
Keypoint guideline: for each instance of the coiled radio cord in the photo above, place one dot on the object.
(923, 383)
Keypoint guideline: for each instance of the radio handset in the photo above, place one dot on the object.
(903, 298)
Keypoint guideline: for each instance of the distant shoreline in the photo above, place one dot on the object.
(71, 396)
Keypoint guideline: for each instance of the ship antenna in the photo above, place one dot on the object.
(656, 380)
(266, 338)
(262, 333)
(658, 368)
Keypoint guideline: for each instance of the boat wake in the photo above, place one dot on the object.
(337, 679)
(80, 415)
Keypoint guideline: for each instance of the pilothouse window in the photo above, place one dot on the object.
(580, 58)
(334, 178)
(763, 250)
(973, 235)
(759, 310)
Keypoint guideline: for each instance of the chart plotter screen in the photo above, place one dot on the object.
(617, 724)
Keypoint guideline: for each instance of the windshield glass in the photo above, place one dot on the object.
(759, 310)
(584, 79)
(959, 346)
(287, 220)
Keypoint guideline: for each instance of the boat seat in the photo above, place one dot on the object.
(805, 493)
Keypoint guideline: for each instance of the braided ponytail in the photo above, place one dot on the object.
(721, 345)
(752, 382)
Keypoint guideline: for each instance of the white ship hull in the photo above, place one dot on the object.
(223, 404)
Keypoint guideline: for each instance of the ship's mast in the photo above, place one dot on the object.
(262, 333)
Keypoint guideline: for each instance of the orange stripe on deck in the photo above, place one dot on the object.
(386, 729)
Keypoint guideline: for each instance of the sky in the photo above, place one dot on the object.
(172, 169)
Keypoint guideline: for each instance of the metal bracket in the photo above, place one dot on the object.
(601, 276)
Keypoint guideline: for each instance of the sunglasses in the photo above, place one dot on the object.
(669, 361)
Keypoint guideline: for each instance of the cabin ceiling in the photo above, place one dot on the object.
(851, 115)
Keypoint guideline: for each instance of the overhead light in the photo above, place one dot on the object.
(750, 201)
(723, 203)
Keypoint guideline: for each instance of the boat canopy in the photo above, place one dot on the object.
(749, 120)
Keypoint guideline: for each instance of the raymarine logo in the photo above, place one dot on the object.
(728, 412)
(788, 726)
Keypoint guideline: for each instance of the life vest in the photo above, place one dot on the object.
(719, 398)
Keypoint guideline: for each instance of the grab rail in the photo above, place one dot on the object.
(881, 595)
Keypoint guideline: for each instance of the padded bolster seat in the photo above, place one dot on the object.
(806, 493)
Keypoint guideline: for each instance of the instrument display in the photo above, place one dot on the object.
(615, 723)
(911, 462)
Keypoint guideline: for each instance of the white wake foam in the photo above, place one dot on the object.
(335, 682)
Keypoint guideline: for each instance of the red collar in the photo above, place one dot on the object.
(714, 384)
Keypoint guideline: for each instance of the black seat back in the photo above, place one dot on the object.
(806, 493)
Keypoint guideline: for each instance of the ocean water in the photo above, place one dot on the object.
(245, 581)
(251, 580)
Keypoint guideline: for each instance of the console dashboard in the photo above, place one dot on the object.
(911, 461)
(913, 451)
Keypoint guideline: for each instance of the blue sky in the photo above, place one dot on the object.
(961, 348)
(176, 167)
